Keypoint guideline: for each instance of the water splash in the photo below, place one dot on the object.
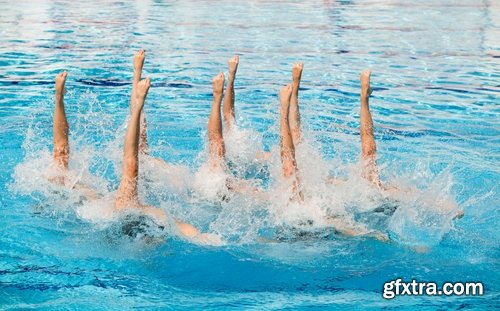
(419, 213)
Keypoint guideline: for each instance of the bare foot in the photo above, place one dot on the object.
(285, 94)
(142, 92)
(60, 82)
(233, 67)
(218, 84)
(366, 90)
(297, 73)
(139, 61)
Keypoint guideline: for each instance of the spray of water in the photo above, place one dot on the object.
(419, 212)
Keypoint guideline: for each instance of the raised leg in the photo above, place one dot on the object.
(294, 104)
(215, 138)
(60, 126)
(127, 192)
(228, 109)
(368, 146)
(289, 164)
(138, 64)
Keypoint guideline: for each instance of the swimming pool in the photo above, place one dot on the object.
(435, 106)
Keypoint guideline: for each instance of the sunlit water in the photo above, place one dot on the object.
(435, 105)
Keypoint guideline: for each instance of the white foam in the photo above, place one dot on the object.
(210, 183)
(99, 212)
(242, 144)
(426, 202)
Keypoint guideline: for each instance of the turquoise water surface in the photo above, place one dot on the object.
(436, 80)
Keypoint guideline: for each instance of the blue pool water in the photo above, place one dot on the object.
(436, 79)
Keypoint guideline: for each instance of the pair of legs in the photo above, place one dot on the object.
(135, 143)
(135, 137)
(138, 62)
(290, 132)
(127, 195)
(217, 149)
